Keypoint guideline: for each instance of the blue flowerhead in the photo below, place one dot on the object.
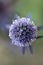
(23, 32)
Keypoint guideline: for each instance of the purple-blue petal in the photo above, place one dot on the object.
(39, 27)
(30, 48)
(29, 16)
(16, 16)
(7, 26)
(23, 50)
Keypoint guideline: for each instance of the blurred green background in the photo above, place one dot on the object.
(12, 55)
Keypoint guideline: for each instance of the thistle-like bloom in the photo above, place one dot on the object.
(23, 32)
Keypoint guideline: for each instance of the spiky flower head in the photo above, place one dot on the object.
(22, 32)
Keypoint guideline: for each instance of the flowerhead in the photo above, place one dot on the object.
(23, 32)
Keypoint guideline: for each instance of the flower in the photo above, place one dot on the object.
(23, 32)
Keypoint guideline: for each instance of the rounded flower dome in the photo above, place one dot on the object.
(22, 32)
